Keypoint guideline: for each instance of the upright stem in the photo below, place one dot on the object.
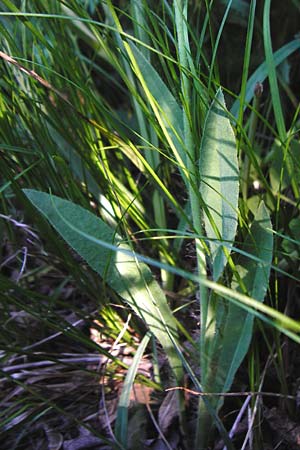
(251, 135)
(192, 167)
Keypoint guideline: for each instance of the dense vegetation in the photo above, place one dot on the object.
(149, 224)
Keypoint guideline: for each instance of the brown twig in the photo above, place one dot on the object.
(231, 394)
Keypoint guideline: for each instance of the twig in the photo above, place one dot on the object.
(231, 394)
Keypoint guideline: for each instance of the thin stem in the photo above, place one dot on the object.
(183, 48)
(252, 131)
(192, 156)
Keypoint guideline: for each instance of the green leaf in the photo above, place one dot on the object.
(261, 72)
(230, 330)
(271, 68)
(219, 178)
(165, 107)
(114, 260)
(121, 425)
(284, 168)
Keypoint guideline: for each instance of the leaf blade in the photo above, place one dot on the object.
(234, 331)
(121, 425)
(219, 180)
(165, 107)
(131, 279)
(261, 73)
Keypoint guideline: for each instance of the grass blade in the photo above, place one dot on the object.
(261, 73)
(163, 103)
(276, 102)
(122, 412)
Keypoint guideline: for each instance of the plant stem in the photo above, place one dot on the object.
(192, 169)
(252, 131)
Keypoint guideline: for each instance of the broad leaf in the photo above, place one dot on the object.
(230, 329)
(114, 260)
(284, 170)
(219, 178)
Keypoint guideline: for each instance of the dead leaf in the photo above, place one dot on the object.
(55, 439)
(284, 427)
(168, 411)
(141, 394)
(137, 426)
(85, 440)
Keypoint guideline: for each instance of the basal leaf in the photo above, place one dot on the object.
(110, 257)
(230, 330)
(284, 168)
(219, 178)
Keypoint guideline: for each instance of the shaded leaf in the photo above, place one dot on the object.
(261, 72)
(283, 169)
(114, 260)
(230, 330)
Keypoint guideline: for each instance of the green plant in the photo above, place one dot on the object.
(136, 152)
(131, 280)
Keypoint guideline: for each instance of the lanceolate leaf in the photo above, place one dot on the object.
(132, 280)
(229, 334)
(219, 178)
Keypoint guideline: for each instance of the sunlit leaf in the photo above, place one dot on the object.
(219, 179)
(166, 109)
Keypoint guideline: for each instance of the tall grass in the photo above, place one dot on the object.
(120, 144)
